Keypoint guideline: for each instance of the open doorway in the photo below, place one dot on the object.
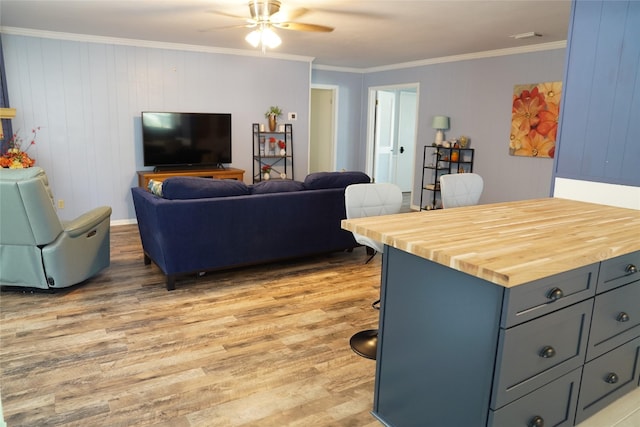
(322, 128)
(391, 135)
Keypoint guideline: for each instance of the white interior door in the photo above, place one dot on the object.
(392, 147)
(383, 167)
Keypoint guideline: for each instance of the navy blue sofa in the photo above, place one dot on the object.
(201, 224)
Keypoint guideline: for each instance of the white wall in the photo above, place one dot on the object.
(87, 97)
(350, 151)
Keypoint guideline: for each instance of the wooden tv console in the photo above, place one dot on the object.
(228, 173)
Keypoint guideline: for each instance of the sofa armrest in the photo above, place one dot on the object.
(86, 221)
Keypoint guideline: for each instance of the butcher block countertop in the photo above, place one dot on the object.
(510, 243)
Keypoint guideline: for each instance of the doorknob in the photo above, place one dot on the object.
(401, 149)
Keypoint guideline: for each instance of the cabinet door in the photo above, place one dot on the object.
(607, 378)
(551, 405)
(616, 319)
(619, 271)
(537, 352)
(524, 303)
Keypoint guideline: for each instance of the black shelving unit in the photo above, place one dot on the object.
(263, 155)
(438, 161)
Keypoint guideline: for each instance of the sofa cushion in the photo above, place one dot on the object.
(276, 186)
(323, 180)
(191, 187)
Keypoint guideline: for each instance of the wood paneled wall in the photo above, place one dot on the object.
(600, 123)
(87, 97)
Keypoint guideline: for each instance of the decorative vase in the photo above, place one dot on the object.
(283, 152)
(266, 176)
(272, 148)
(272, 122)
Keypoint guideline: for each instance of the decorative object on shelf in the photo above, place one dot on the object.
(272, 146)
(283, 175)
(534, 119)
(283, 147)
(273, 114)
(464, 141)
(266, 169)
(262, 144)
(455, 156)
(261, 127)
(280, 128)
(16, 157)
(440, 124)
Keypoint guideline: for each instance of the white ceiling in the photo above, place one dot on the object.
(367, 34)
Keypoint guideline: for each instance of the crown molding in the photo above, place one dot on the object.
(271, 55)
(455, 58)
(149, 44)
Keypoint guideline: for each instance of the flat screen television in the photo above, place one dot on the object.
(185, 139)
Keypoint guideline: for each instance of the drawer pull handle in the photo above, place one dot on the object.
(622, 317)
(611, 378)
(547, 352)
(631, 269)
(555, 294)
(536, 421)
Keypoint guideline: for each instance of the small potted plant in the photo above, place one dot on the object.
(266, 169)
(273, 114)
(283, 147)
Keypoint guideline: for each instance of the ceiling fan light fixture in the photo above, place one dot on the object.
(253, 38)
(270, 38)
(263, 36)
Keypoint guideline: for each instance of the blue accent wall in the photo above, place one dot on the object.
(599, 137)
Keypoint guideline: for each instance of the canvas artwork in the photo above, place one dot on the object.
(534, 119)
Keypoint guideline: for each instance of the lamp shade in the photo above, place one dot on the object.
(440, 122)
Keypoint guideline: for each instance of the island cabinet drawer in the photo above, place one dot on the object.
(619, 271)
(616, 319)
(535, 353)
(551, 405)
(607, 378)
(525, 302)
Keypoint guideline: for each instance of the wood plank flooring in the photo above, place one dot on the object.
(258, 346)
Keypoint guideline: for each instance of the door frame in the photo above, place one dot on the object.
(334, 133)
(371, 115)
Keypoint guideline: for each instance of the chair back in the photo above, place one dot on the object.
(460, 189)
(372, 199)
(27, 213)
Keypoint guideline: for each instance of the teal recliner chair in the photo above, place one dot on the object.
(38, 250)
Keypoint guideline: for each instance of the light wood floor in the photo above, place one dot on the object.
(259, 346)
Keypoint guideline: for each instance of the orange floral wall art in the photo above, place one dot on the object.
(534, 119)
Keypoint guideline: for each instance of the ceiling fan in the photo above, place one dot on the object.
(266, 15)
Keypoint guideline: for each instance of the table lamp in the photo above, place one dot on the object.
(440, 123)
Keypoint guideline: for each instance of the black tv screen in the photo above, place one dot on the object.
(186, 139)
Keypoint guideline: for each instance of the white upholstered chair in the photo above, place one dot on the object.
(460, 189)
(363, 200)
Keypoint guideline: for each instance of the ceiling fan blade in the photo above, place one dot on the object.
(288, 15)
(228, 15)
(297, 26)
(227, 27)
